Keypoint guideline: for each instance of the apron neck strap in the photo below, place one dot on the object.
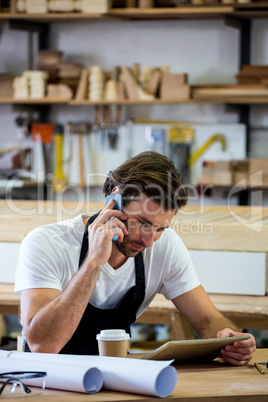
(84, 246)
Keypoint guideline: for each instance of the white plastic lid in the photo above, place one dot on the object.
(112, 335)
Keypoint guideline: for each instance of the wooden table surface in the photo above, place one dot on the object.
(234, 228)
(197, 382)
(245, 311)
(9, 301)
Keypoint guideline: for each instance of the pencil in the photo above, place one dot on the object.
(259, 368)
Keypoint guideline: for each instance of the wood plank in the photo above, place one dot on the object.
(222, 384)
(200, 100)
(245, 311)
(45, 100)
(51, 17)
(82, 89)
(202, 91)
(201, 228)
(252, 4)
(160, 12)
(207, 99)
(9, 301)
(128, 13)
(249, 10)
(248, 227)
(19, 217)
(130, 102)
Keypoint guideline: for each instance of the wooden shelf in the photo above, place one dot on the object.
(131, 102)
(250, 10)
(236, 100)
(230, 99)
(52, 17)
(44, 101)
(183, 12)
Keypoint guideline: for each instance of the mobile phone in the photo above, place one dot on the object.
(117, 205)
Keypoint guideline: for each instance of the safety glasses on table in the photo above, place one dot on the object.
(14, 386)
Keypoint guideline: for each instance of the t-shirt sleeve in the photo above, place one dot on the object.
(38, 265)
(181, 277)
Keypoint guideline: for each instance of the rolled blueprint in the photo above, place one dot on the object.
(59, 376)
(138, 376)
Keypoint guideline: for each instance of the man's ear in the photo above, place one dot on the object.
(115, 190)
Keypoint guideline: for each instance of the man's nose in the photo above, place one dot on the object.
(148, 237)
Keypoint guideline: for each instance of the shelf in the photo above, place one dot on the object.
(44, 101)
(182, 12)
(250, 10)
(52, 17)
(231, 99)
(237, 100)
(131, 102)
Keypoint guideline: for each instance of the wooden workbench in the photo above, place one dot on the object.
(216, 381)
(222, 228)
(245, 311)
(234, 229)
(201, 228)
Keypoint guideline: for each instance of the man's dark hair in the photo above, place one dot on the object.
(148, 173)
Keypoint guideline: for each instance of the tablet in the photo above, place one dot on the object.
(196, 349)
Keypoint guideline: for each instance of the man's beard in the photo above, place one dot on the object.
(126, 251)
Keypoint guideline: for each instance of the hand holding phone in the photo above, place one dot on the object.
(117, 205)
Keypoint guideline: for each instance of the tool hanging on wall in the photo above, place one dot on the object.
(59, 179)
(163, 122)
(80, 129)
(113, 131)
(180, 141)
(96, 125)
(23, 137)
(23, 123)
(43, 138)
(214, 138)
(108, 126)
(104, 124)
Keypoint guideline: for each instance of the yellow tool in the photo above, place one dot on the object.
(58, 177)
(169, 122)
(181, 135)
(214, 138)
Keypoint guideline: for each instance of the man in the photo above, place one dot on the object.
(75, 280)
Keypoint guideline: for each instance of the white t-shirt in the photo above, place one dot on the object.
(49, 258)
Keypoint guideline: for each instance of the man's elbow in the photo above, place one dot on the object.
(36, 348)
(43, 346)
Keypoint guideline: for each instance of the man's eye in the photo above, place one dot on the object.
(145, 225)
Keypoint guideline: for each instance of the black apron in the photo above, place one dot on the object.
(83, 341)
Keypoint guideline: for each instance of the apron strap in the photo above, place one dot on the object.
(84, 247)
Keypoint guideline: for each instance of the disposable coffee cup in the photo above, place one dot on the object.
(113, 342)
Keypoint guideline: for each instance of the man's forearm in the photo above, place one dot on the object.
(54, 323)
(215, 324)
